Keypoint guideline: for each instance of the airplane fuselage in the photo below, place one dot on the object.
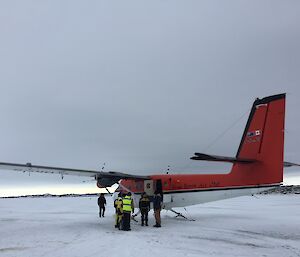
(190, 189)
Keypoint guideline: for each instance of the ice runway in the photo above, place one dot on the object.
(266, 225)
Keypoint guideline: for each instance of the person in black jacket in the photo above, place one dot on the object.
(101, 204)
(144, 205)
(157, 204)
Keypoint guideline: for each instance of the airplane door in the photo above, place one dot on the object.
(148, 187)
(159, 189)
(159, 186)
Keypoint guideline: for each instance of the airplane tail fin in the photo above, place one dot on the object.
(262, 141)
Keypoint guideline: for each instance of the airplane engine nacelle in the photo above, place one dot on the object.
(106, 182)
(99, 185)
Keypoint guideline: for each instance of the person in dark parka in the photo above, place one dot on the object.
(144, 205)
(101, 204)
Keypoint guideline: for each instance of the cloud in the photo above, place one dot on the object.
(141, 85)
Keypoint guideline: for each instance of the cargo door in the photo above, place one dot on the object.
(149, 187)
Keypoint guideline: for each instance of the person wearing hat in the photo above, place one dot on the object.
(144, 205)
(128, 207)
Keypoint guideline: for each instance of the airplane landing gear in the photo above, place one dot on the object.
(181, 215)
(134, 215)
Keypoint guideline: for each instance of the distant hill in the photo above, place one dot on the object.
(51, 195)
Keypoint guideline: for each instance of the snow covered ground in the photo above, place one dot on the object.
(265, 225)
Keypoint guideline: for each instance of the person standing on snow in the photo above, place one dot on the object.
(101, 204)
(128, 207)
(144, 205)
(118, 204)
(157, 204)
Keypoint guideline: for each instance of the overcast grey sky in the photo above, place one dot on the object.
(140, 84)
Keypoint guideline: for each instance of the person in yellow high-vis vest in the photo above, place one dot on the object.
(128, 207)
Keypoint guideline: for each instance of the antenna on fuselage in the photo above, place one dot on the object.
(168, 169)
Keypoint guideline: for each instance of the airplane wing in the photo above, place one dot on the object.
(104, 179)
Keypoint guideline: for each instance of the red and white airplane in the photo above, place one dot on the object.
(257, 166)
